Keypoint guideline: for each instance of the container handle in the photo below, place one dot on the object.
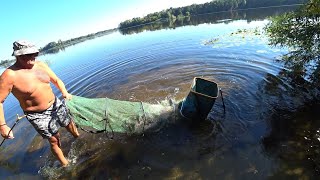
(224, 107)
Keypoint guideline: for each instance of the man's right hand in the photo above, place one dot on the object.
(5, 131)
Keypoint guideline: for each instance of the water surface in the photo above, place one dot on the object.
(265, 132)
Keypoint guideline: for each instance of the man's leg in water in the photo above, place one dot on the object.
(56, 149)
(73, 129)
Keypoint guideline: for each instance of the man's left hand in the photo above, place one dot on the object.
(67, 96)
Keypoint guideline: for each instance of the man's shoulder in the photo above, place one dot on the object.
(8, 72)
(41, 64)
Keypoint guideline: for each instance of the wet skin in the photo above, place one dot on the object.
(29, 81)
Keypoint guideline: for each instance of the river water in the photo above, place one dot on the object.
(267, 131)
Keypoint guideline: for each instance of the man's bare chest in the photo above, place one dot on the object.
(27, 81)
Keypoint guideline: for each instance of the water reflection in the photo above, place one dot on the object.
(262, 134)
(249, 15)
(294, 125)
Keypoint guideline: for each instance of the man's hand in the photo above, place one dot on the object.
(5, 131)
(67, 96)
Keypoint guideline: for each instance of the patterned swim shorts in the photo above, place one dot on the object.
(48, 122)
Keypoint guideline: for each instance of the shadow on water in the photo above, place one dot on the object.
(11, 164)
(294, 125)
(167, 153)
(294, 140)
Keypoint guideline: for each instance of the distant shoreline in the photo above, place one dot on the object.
(55, 47)
(218, 6)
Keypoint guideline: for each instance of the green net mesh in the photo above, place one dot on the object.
(108, 115)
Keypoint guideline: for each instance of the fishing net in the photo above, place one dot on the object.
(108, 115)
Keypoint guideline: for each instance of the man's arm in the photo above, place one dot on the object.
(56, 81)
(6, 84)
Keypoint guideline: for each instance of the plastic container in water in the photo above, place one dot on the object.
(200, 100)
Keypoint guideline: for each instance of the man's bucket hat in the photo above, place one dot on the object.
(23, 47)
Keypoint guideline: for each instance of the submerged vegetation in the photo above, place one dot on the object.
(299, 31)
(240, 33)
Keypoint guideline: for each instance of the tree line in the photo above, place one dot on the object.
(54, 47)
(225, 17)
(172, 14)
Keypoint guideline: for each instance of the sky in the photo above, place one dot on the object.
(41, 22)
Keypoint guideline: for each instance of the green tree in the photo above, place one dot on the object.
(214, 6)
(300, 31)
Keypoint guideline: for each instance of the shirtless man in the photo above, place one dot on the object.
(29, 81)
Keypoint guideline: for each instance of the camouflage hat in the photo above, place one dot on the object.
(23, 47)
